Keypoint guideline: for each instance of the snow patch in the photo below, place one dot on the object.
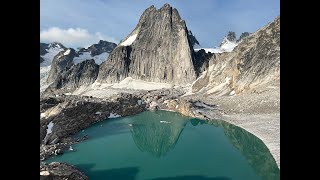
(87, 55)
(42, 115)
(98, 113)
(67, 52)
(101, 58)
(50, 125)
(227, 46)
(114, 115)
(232, 93)
(212, 50)
(130, 83)
(45, 66)
(50, 55)
(129, 41)
(44, 173)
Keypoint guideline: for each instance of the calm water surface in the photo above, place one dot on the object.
(166, 145)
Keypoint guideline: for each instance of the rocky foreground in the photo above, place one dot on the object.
(71, 114)
(241, 87)
(60, 171)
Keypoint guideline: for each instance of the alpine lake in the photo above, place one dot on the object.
(163, 145)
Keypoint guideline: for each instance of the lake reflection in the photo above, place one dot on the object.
(167, 145)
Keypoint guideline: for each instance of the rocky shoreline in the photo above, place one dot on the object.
(71, 114)
(60, 171)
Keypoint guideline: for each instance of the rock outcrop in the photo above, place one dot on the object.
(60, 63)
(97, 49)
(231, 36)
(70, 114)
(255, 62)
(156, 50)
(60, 171)
(242, 36)
(201, 61)
(45, 48)
(81, 74)
(192, 39)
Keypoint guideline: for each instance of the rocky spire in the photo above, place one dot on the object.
(230, 37)
(243, 35)
(156, 50)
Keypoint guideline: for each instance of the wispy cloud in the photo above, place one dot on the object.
(209, 20)
(72, 37)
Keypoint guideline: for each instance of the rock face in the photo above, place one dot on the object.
(70, 69)
(60, 171)
(254, 63)
(44, 47)
(192, 39)
(61, 62)
(101, 47)
(243, 35)
(156, 50)
(84, 73)
(201, 61)
(231, 36)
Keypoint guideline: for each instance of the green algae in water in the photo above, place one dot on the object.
(166, 145)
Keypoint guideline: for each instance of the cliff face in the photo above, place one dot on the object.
(62, 61)
(156, 50)
(84, 73)
(254, 63)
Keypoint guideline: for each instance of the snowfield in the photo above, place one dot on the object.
(67, 52)
(129, 41)
(46, 65)
(50, 125)
(227, 46)
(130, 83)
(86, 55)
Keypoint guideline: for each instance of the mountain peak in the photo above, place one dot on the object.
(166, 5)
(243, 35)
(157, 50)
(231, 36)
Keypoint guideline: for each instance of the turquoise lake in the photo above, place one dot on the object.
(164, 145)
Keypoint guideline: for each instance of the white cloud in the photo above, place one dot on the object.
(71, 37)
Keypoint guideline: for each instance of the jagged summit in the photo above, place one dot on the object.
(230, 37)
(157, 50)
(243, 35)
(97, 49)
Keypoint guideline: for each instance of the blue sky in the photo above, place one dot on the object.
(77, 23)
